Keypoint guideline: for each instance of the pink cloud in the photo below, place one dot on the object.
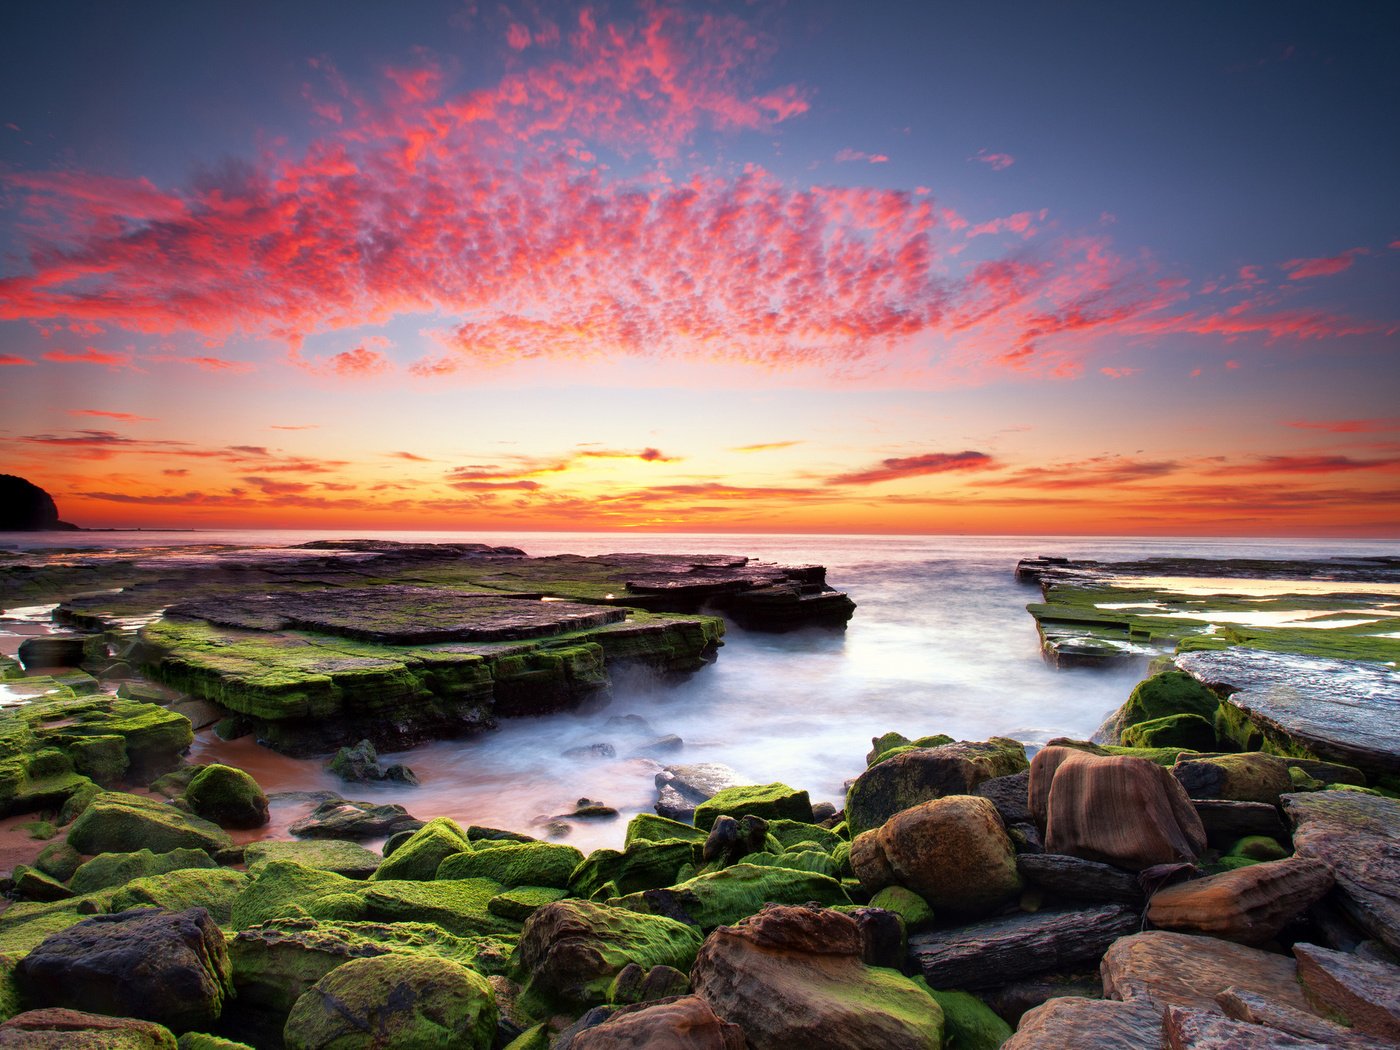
(14, 359)
(1298, 269)
(915, 466)
(125, 417)
(1119, 373)
(1347, 426)
(518, 37)
(997, 161)
(89, 356)
(845, 156)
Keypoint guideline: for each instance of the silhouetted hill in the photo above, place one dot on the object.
(25, 507)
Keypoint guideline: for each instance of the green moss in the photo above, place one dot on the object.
(806, 860)
(214, 890)
(102, 758)
(1188, 731)
(58, 860)
(405, 1000)
(642, 865)
(285, 890)
(722, 898)
(9, 989)
(111, 870)
(419, 856)
(457, 905)
(115, 822)
(1258, 847)
(1162, 756)
(648, 827)
(536, 1038)
(519, 903)
(907, 904)
(41, 830)
(968, 1022)
(790, 833)
(227, 796)
(1170, 693)
(338, 855)
(202, 1041)
(515, 864)
(774, 801)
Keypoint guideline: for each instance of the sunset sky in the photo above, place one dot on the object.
(803, 267)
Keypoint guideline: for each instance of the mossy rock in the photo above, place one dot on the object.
(227, 796)
(1258, 848)
(905, 903)
(338, 855)
(774, 801)
(1162, 756)
(1184, 731)
(790, 833)
(214, 890)
(58, 860)
(112, 870)
(31, 884)
(286, 890)
(1248, 777)
(115, 822)
(419, 857)
(649, 827)
(520, 902)
(9, 990)
(78, 801)
(395, 1000)
(968, 1022)
(891, 744)
(535, 1038)
(1302, 781)
(457, 905)
(1169, 693)
(101, 758)
(204, 1041)
(722, 898)
(515, 864)
(805, 860)
(641, 866)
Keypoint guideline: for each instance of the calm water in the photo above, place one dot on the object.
(941, 642)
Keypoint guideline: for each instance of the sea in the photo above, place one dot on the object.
(940, 643)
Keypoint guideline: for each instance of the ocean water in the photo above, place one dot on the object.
(940, 643)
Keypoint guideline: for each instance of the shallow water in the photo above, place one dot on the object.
(940, 643)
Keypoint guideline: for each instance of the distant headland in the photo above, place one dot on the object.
(25, 507)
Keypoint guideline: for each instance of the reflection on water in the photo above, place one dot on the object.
(940, 642)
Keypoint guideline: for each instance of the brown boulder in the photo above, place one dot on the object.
(685, 1023)
(793, 977)
(953, 852)
(1181, 970)
(1184, 1029)
(1249, 905)
(56, 1028)
(1364, 991)
(1088, 1024)
(1249, 777)
(1246, 1006)
(926, 773)
(1116, 809)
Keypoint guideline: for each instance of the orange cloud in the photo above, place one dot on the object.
(89, 356)
(767, 446)
(1347, 426)
(915, 466)
(14, 359)
(125, 417)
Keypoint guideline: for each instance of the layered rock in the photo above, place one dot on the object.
(684, 1023)
(922, 774)
(1248, 905)
(1089, 1024)
(1363, 991)
(1183, 970)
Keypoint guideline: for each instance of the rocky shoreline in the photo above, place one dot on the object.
(1203, 874)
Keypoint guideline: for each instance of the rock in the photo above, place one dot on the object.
(110, 870)
(680, 788)
(768, 801)
(419, 857)
(460, 906)
(592, 751)
(589, 808)
(685, 1023)
(907, 779)
(115, 822)
(952, 851)
(1248, 905)
(167, 967)
(516, 864)
(1184, 1029)
(721, 897)
(203, 1041)
(339, 819)
(882, 934)
(1013, 1000)
(55, 650)
(1089, 1024)
(59, 1029)
(570, 951)
(1359, 836)
(1074, 878)
(649, 827)
(338, 855)
(227, 796)
(1227, 822)
(1246, 1006)
(1175, 731)
(213, 889)
(1161, 696)
(669, 744)
(968, 1023)
(794, 976)
(521, 902)
(357, 764)
(1256, 848)
(58, 860)
(635, 985)
(395, 1000)
(1364, 992)
(31, 884)
(1250, 777)
(25, 507)
(641, 866)
(908, 905)
(995, 951)
(1118, 810)
(729, 839)
(1182, 970)
(283, 889)
(1338, 710)
(1009, 795)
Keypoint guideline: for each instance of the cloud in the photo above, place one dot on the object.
(468, 485)
(125, 417)
(1347, 426)
(89, 356)
(997, 161)
(14, 359)
(1298, 269)
(846, 156)
(915, 466)
(767, 446)
(361, 362)
(204, 363)
(1304, 465)
(1097, 472)
(1119, 373)
(410, 457)
(301, 426)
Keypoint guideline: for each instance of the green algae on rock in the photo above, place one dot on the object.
(419, 856)
(229, 797)
(515, 864)
(774, 801)
(719, 898)
(115, 822)
(113, 870)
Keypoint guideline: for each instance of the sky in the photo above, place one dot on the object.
(808, 267)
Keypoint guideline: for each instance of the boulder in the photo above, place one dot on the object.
(968, 1022)
(515, 864)
(395, 1000)
(357, 764)
(1185, 1029)
(341, 819)
(680, 788)
(649, 827)
(59, 1029)
(1364, 992)
(1089, 1024)
(1119, 810)
(460, 906)
(1249, 777)
(1161, 696)
(338, 855)
(418, 858)
(60, 861)
(996, 951)
(641, 866)
(1246, 1006)
(923, 774)
(227, 796)
(726, 896)
(1176, 731)
(1182, 970)
(286, 890)
(1250, 905)
(730, 838)
(1359, 836)
(685, 1023)
(213, 889)
(1226, 822)
(115, 822)
(1010, 796)
(58, 650)
(908, 905)
(570, 951)
(793, 976)
(951, 851)
(774, 801)
(167, 967)
(1074, 878)
(520, 902)
(635, 985)
(883, 935)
